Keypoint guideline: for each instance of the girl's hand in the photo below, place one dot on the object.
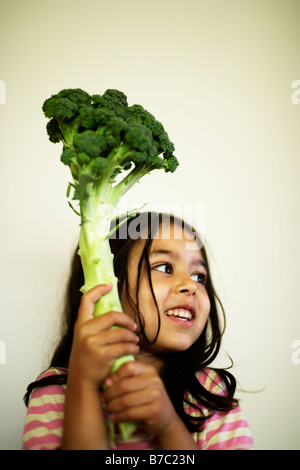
(95, 345)
(136, 393)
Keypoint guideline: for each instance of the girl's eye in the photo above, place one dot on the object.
(164, 268)
(199, 278)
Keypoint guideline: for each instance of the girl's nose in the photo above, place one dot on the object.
(186, 285)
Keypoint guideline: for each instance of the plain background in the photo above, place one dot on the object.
(219, 74)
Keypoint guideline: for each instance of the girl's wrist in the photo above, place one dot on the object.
(176, 436)
(82, 385)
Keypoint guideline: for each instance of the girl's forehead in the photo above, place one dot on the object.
(166, 237)
(177, 237)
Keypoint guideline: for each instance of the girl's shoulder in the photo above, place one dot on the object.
(48, 384)
(221, 430)
(44, 418)
(211, 381)
(52, 371)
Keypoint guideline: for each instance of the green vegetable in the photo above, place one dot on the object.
(103, 139)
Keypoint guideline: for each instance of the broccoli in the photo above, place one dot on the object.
(103, 138)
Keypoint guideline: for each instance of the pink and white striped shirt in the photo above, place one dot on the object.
(45, 416)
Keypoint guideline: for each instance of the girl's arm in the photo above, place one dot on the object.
(84, 423)
(177, 437)
(136, 393)
(95, 348)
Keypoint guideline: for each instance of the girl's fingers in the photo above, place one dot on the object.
(129, 369)
(110, 353)
(110, 319)
(134, 413)
(105, 321)
(140, 395)
(119, 335)
(133, 376)
(99, 341)
(88, 300)
(113, 336)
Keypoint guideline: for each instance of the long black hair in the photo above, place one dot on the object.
(180, 368)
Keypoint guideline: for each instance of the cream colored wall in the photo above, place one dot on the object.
(219, 75)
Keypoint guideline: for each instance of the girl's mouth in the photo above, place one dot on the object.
(180, 315)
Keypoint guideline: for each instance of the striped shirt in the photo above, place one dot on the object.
(221, 430)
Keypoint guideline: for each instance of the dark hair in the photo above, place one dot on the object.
(180, 368)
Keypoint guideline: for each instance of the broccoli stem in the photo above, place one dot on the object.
(97, 263)
(114, 193)
(95, 253)
(96, 257)
(68, 130)
(98, 268)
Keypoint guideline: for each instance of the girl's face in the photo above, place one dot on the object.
(178, 275)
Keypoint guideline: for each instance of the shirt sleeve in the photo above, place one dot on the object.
(223, 430)
(226, 431)
(44, 419)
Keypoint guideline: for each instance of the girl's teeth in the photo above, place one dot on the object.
(180, 313)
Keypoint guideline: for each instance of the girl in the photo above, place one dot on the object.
(171, 325)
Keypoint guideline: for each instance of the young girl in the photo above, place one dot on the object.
(171, 325)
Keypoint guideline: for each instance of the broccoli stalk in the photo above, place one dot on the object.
(104, 140)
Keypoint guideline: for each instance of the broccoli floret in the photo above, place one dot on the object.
(105, 126)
